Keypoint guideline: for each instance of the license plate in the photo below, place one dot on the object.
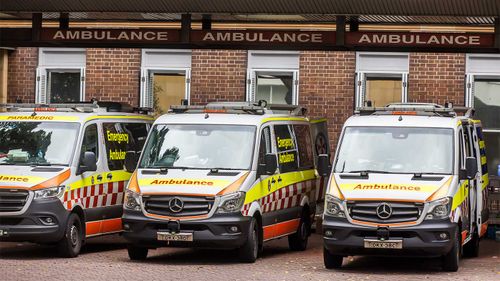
(383, 244)
(181, 237)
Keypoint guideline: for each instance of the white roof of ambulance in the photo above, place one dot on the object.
(407, 121)
(223, 118)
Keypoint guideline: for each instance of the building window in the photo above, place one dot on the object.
(60, 75)
(273, 77)
(165, 78)
(483, 94)
(381, 78)
(63, 85)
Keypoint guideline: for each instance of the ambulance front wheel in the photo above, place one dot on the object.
(71, 243)
(332, 261)
(452, 259)
(250, 250)
(136, 253)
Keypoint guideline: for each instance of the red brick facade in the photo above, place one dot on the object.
(22, 75)
(113, 74)
(326, 79)
(327, 87)
(218, 75)
(437, 78)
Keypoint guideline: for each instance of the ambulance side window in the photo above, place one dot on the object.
(462, 150)
(116, 141)
(287, 149)
(139, 133)
(265, 145)
(304, 142)
(90, 141)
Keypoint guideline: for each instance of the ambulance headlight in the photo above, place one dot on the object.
(131, 201)
(439, 209)
(333, 207)
(231, 203)
(50, 192)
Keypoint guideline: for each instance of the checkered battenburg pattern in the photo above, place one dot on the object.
(94, 196)
(286, 197)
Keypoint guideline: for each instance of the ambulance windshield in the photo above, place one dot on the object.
(396, 150)
(199, 147)
(37, 143)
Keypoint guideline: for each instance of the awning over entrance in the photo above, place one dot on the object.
(339, 7)
(373, 11)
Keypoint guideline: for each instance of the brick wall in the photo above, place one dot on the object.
(437, 77)
(327, 87)
(22, 75)
(113, 74)
(218, 75)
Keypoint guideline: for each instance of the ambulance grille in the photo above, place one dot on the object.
(400, 212)
(13, 200)
(167, 205)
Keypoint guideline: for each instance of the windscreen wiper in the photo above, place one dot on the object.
(428, 176)
(363, 174)
(369, 172)
(35, 164)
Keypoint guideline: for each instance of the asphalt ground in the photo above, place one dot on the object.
(106, 258)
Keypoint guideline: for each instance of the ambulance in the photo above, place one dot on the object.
(62, 176)
(226, 176)
(407, 179)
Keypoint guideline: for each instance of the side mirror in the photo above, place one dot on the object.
(471, 167)
(131, 159)
(88, 163)
(271, 164)
(323, 165)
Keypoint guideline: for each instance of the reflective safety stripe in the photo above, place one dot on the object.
(284, 119)
(460, 195)
(280, 229)
(318, 121)
(43, 118)
(93, 228)
(486, 181)
(55, 181)
(92, 179)
(147, 118)
(21, 179)
(483, 160)
(260, 189)
(481, 144)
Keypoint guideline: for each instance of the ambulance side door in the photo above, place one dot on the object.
(266, 183)
(90, 194)
(477, 191)
(289, 193)
(119, 138)
(473, 183)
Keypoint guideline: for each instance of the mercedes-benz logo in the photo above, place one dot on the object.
(176, 204)
(384, 211)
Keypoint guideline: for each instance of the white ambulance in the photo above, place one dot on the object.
(62, 174)
(405, 181)
(225, 175)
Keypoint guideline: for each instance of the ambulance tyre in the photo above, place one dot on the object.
(298, 240)
(71, 243)
(332, 261)
(249, 252)
(471, 249)
(451, 260)
(136, 253)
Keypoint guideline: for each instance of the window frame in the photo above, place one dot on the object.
(365, 70)
(147, 74)
(252, 82)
